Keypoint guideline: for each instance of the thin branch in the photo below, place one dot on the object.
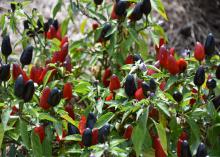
(83, 11)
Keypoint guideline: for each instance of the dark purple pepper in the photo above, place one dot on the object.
(177, 96)
(13, 7)
(28, 91)
(56, 24)
(72, 129)
(91, 120)
(185, 149)
(107, 27)
(103, 133)
(145, 88)
(26, 55)
(26, 24)
(98, 2)
(87, 137)
(5, 72)
(210, 45)
(146, 7)
(19, 86)
(54, 97)
(199, 77)
(120, 8)
(216, 102)
(217, 72)
(201, 150)
(137, 57)
(136, 13)
(6, 46)
(211, 84)
(153, 85)
(130, 86)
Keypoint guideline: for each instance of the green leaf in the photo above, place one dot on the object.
(1, 134)
(24, 133)
(47, 143)
(64, 27)
(159, 7)
(195, 134)
(45, 116)
(69, 119)
(163, 107)
(104, 119)
(116, 142)
(153, 68)
(5, 117)
(47, 77)
(36, 145)
(82, 87)
(82, 26)
(2, 21)
(139, 133)
(57, 7)
(162, 135)
(156, 33)
(171, 81)
(75, 137)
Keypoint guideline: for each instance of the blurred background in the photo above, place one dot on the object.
(189, 20)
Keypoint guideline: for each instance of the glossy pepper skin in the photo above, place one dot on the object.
(216, 102)
(55, 24)
(153, 85)
(211, 84)
(40, 131)
(201, 151)
(67, 91)
(19, 86)
(120, 8)
(106, 76)
(159, 152)
(72, 129)
(210, 45)
(44, 97)
(6, 46)
(146, 7)
(185, 149)
(114, 83)
(130, 86)
(177, 96)
(139, 94)
(137, 13)
(91, 120)
(103, 133)
(107, 27)
(5, 72)
(217, 72)
(95, 136)
(128, 132)
(146, 88)
(26, 55)
(98, 2)
(199, 77)
(199, 51)
(87, 137)
(13, 7)
(28, 91)
(69, 109)
(54, 97)
(182, 65)
(137, 57)
(172, 65)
